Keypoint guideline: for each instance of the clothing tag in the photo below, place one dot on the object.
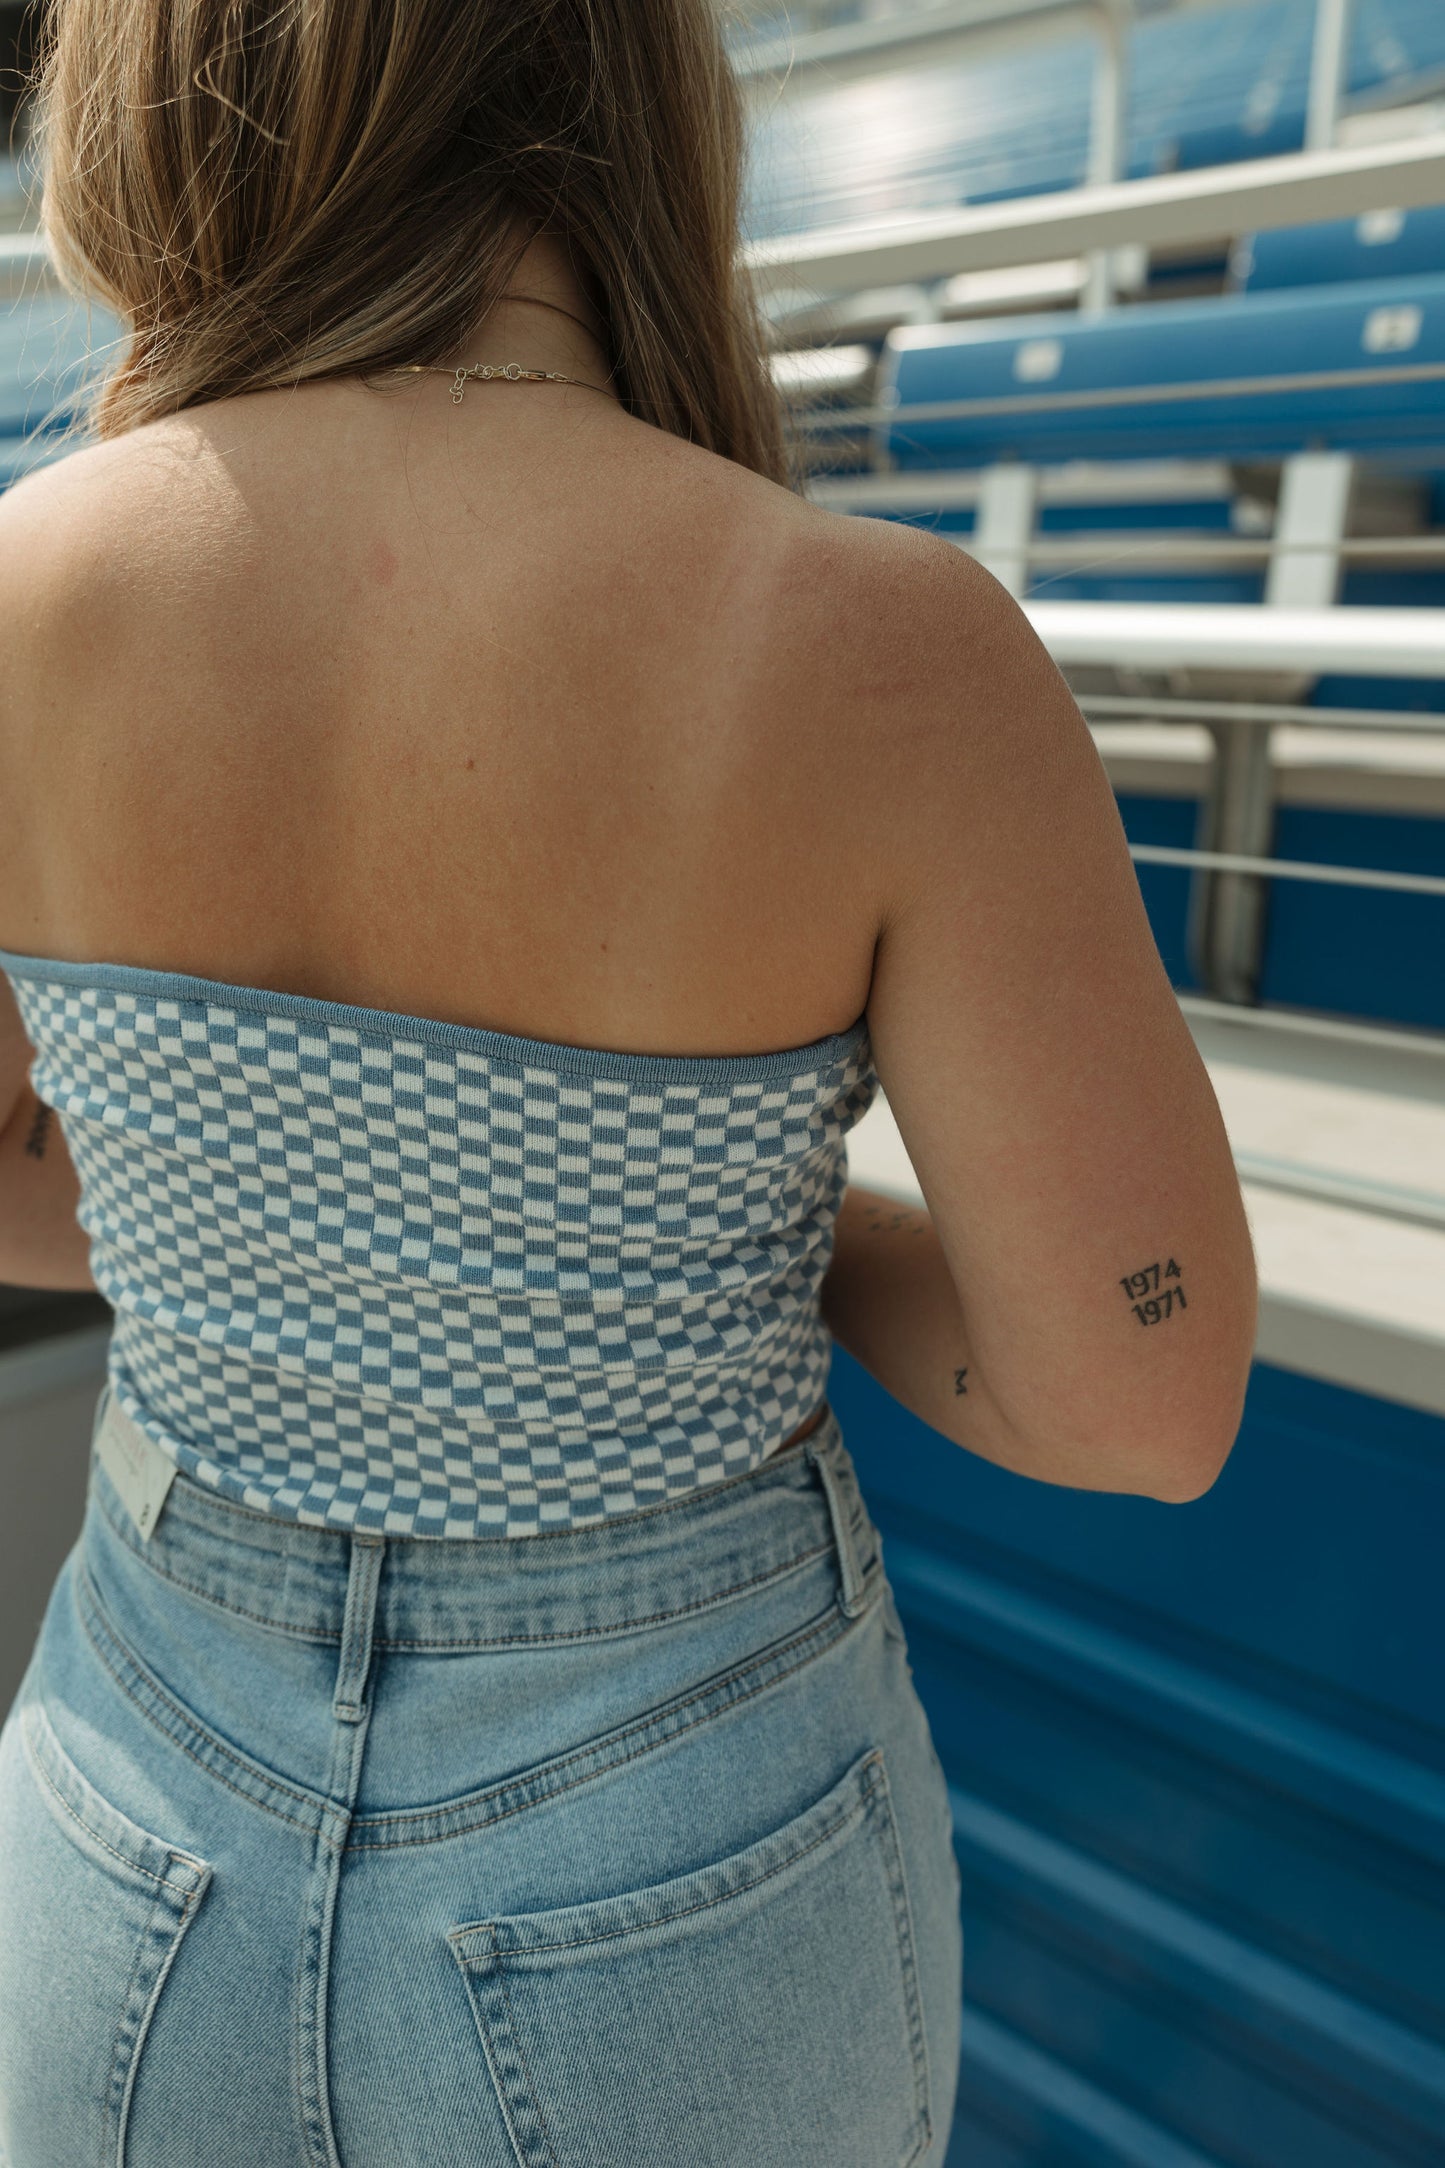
(136, 1466)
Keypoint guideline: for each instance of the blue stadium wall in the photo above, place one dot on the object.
(1357, 952)
(1197, 1761)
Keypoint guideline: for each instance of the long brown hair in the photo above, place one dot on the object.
(269, 191)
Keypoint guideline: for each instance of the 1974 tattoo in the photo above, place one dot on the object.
(1155, 1298)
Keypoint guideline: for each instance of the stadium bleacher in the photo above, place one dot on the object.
(1197, 1767)
(1380, 245)
(1349, 367)
(1207, 85)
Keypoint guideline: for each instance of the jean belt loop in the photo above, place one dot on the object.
(823, 1452)
(363, 1580)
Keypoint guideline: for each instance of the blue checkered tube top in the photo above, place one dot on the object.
(379, 1272)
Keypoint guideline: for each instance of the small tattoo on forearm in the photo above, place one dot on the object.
(39, 1131)
(1156, 1299)
(958, 1378)
(879, 1222)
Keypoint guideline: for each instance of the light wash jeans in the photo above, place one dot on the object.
(620, 1847)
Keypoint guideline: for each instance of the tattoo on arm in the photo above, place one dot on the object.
(1156, 1292)
(39, 1131)
(877, 1221)
(958, 1384)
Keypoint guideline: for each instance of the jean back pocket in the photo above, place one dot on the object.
(92, 1911)
(764, 2009)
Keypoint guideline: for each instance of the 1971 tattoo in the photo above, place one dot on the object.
(1156, 1299)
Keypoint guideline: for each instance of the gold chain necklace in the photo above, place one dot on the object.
(511, 371)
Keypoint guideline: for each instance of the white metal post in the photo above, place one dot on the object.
(1004, 523)
(1107, 135)
(1227, 918)
(1327, 72)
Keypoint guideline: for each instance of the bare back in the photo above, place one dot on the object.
(539, 719)
(514, 716)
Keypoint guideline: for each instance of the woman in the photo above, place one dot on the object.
(470, 849)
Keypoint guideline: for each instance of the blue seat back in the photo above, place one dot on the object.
(1354, 369)
(1379, 245)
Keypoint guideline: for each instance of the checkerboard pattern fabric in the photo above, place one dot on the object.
(383, 1273)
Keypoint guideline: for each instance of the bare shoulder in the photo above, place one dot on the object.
(83, 522)
(910, 606)
(53, 528)
(926, 676)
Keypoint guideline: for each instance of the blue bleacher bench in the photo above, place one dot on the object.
(1358, 368)
(1342, 251)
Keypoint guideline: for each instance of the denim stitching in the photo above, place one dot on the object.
(653, 1618)
(643, 1724)
(908, 1962)
(218, 1746)
(237, 1610)
(486, 2031)
(522, 2055)
(115, 2076)
(494, 1641)
(844, 1820)
(38, 1769)
(832, 1629)
(826, 1632)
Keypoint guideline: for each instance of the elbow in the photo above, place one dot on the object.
(1191, 1453)
(1181, 1485)
(1193, 1466)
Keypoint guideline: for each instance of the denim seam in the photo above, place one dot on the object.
(487, 2031)
(581, 1633)
(318, 1808)
(908, 1966)
(148, 1558)
(654, 1717)
(832, 1628)
(115, 2078)
(631, 1625)
(133, 1866)
(849, 1815)
(526, 2066)
(825, 1632)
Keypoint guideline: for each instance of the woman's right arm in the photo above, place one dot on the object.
(1078, 1302)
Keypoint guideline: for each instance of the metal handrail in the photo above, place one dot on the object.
(1378, 1039)
(1287, 869)
(1242, 636)
(1172, 546)
(1126, 707)
(1383, 1200)
(1299, 188)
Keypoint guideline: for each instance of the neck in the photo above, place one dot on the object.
(544, 321)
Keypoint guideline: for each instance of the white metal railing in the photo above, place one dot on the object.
(1259, 714)
(1242, 636)
(1233, 860)
(1210, 204)
(1287, 869)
